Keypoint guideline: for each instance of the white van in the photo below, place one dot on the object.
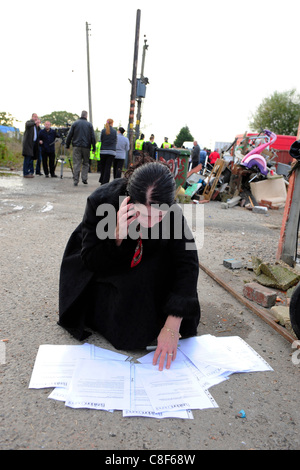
(188, 145)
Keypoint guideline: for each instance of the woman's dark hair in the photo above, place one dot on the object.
(151, 183)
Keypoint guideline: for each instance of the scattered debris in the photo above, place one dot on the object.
(282, 316)
(264, 314)
(234, 201)
(246, 174)
(283, 280)
(260, 294)
(260, 210)
(277, 276)
(232, 264)
(241, 414)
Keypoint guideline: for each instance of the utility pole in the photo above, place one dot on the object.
(133, 85)
(88, 72)
(143, 81)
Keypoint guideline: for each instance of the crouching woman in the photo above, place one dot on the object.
(133, 286)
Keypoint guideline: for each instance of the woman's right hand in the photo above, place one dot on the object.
(125, 216)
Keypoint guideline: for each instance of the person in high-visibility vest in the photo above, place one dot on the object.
(139, 143)
(96, 155)
(166, 144)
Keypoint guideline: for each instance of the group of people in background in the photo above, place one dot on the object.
(39, 146)
(149, 146)
(111, 150)
(203, 156)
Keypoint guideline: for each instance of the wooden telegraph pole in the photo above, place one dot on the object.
(144, 81)
(133, 85)
(88, 72)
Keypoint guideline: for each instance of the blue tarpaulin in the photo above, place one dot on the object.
(6, 129)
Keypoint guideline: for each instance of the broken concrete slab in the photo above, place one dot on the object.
(260, 210)
(256, 262)
(281, 313)
(232, 263)
(277, 276)
(282, 316)
(233, 201)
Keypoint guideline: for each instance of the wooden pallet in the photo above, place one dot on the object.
(216, 172)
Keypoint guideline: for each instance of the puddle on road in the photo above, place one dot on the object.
(9, 181)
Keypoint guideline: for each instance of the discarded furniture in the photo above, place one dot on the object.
(213, 179)
(272, 189)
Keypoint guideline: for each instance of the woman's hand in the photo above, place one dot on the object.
(167, 342)
(125, 216)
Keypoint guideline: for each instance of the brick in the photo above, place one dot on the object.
(260, 294)
(268, 204)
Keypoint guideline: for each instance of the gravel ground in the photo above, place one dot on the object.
(37, 218)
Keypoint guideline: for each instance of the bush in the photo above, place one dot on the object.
(10, 152)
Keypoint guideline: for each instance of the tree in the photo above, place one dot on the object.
(279, 113)
(60, 118)
(183, 136)
(6, 119)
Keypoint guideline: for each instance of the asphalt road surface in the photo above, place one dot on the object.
(37, 217)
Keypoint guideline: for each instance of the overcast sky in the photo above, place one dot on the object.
(209, 63)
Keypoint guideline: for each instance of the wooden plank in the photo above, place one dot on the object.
(286, 215)
(287, 209)
(216, 171)
(196, 169)
(265, 316)
(289, 248)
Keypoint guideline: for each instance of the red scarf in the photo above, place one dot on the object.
(137, 254)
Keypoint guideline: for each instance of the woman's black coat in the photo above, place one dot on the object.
(99, 290)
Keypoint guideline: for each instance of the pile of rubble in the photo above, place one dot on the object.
(272, 287)
(246, 174)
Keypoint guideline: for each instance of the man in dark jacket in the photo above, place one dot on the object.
(150, 147)
(82, 136)
(30, 145)
(47, 141)
(195, 155)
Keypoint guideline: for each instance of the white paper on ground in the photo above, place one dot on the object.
(87, 376)
(173, 389)
(54, 364)
(100, 384)
(207, 375)
(141, 405)
(252, 361)
(217, 352)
